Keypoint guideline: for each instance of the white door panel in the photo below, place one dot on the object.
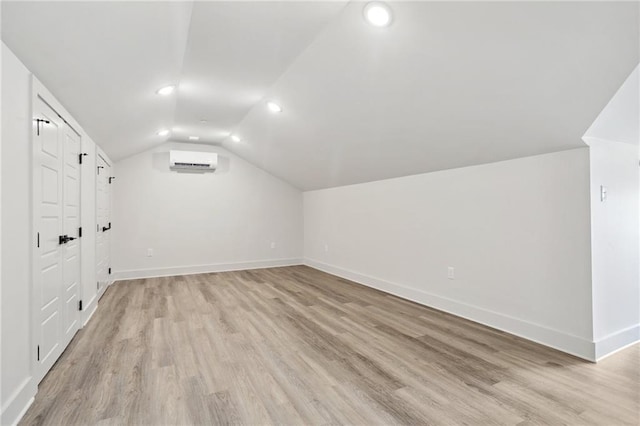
(49, 221)
(56, 184)
(71, 250)
(104, 221)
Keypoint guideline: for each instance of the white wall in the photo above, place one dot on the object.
(1, 381)
(517, 233)
(201, 222)
(16, 387)
(614, 140)
(615, 251)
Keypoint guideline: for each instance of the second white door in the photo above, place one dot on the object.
(104, 223)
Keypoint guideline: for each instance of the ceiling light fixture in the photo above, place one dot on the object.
(194, 138)
(274, 107)
(378, 14)
(167, 90)
(235, 138)
(163, 132)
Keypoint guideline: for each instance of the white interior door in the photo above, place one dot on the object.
(56, 268)
(71, 249)
(104, 223)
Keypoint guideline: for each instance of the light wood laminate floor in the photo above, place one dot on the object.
(296, 346)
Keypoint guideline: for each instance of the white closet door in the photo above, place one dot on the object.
(48, 260)
(104, 222)
(56, 264)
(71, 249)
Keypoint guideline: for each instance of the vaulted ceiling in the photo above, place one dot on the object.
(446, 85)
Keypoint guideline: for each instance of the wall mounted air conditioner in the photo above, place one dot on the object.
(193, 161)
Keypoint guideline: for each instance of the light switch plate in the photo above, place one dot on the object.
(603, 193)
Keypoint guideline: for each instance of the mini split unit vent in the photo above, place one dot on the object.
(193, 161)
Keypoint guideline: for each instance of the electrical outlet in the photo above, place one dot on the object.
(451, 273)
(149, 252)
(273, 245)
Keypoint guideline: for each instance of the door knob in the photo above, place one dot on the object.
(64, 239)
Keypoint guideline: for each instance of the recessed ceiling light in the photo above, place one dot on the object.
(194, 138)
(377, 14)
(274, 107)
(167, 90)
(163, 132)
(235, 138)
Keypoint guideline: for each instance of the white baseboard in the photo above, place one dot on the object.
(556, 339)
(89, 309)
(18, 403)
(89, 314)
(617, 341)
(101, 291)
(203, 269)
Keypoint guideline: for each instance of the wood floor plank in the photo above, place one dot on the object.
(297, 346)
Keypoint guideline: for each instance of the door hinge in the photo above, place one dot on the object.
(38, 121)
(38, 353)
(82, 154)
(80, 232)
(98, 285)
(111, 178)
(38, 240)
(80, 305)
(109, 271)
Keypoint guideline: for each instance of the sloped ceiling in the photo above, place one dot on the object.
(619, 121)
(446, 85)
(104, 62)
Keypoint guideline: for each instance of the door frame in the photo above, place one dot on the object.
(39, 92)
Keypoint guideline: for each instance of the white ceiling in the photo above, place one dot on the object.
(104, 61)
(235, 52)
(446, 85)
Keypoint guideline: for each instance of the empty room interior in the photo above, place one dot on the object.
(320, 213)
